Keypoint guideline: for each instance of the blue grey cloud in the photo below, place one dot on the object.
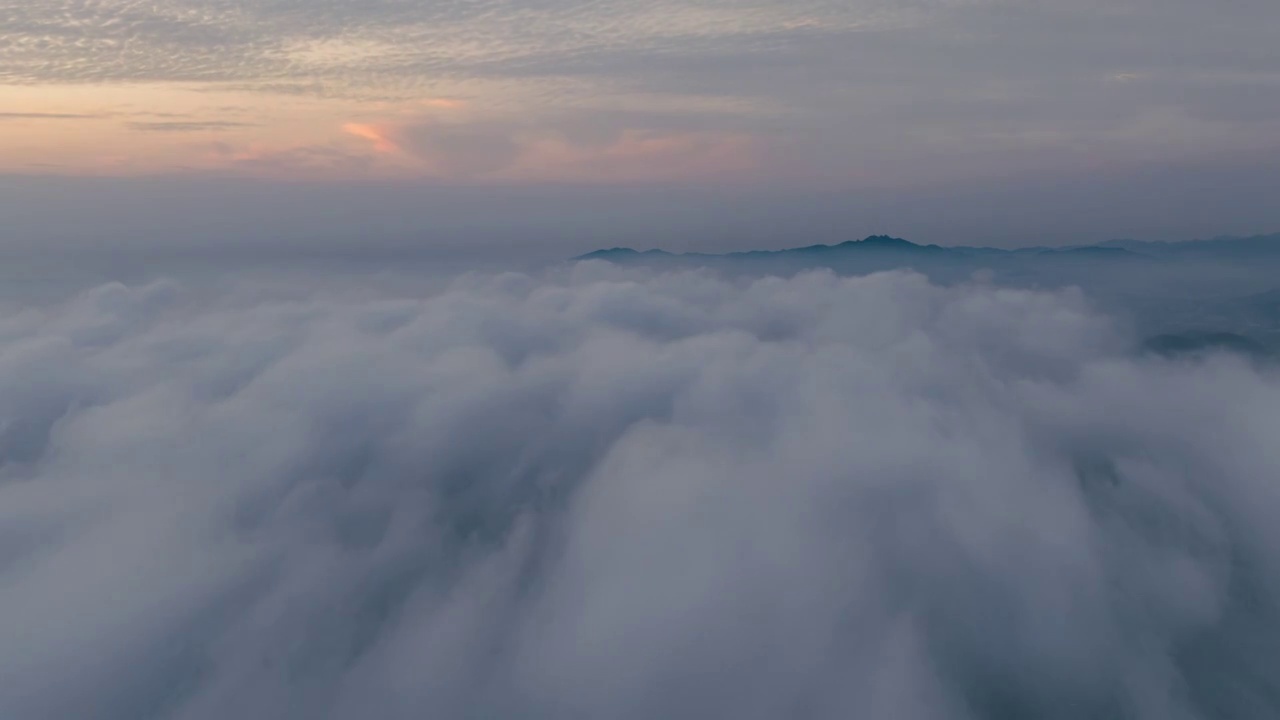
(608, 493)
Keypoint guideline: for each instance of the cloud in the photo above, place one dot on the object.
(309, 161)
(609, 493)
(373, 134)
(478, 149)
(857, 91)
(187, 125)
(445, 103)
(643, 156)
(49, 116)
(458, 149)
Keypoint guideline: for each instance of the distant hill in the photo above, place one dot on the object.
(883, 252)
(1257, 245)
(1221, 294)
(1227, 247)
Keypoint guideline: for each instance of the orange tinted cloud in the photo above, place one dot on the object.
(445, 103)
(312, 161)
(642, 156)
(446, 149)
(373, 134)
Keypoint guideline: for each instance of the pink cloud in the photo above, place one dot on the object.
(373, 133)
(640, 156)
(301, 161)
(508, 152)
(446, 103)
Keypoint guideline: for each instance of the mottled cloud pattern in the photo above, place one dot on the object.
(867, 92)
(609, 493)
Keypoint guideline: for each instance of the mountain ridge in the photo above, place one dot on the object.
(1110, 249)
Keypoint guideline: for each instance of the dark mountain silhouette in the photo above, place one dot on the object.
(1258, 247)
(1125, 250)
(882, 252)
(1187, 297)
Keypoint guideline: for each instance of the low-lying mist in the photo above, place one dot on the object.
(604, 492)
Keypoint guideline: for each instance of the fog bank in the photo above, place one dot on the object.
(625, 493)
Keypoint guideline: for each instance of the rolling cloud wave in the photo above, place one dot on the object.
(617, 493)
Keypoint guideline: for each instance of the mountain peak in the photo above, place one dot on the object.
(607, 253)
(880, 241)
(887, 241)
(619, 253)
(890, 249)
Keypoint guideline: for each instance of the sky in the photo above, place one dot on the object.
(1151, 118)
(405, 476)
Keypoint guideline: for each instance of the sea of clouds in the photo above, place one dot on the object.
(607, 493)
